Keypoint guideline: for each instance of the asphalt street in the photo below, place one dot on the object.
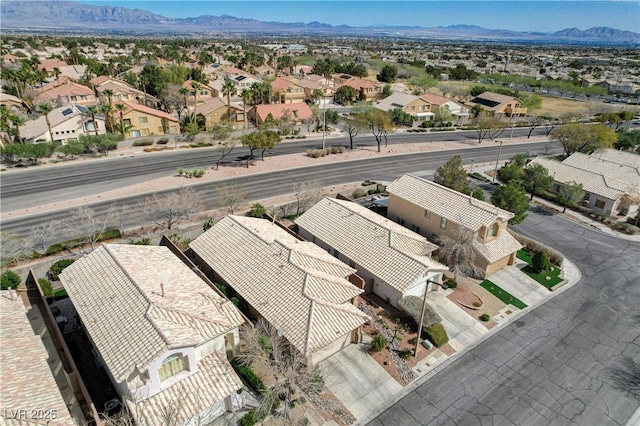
(272, 184)
(36, 186)
(572, 361)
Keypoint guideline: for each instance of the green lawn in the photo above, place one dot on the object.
(502, 294)
(542, 276)
(524, 255)
(59, 293)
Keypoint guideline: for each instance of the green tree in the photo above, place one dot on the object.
(388, 74)
(196, 89)
(575, 137)
(260, 140)
(258, 210)
(354, 123)
(387, 90)
(477, 193)
(452, 175)
(512, 197)
(9, 279)
(511, 172)
(477, 90)
(536, 179)
(72, 149)
(540, 261)
(379, 122)
(421, 83)
(401, 118)
(443, 115)
(93, 110)
(228, 90)
(345, 95)
(47, 287)
(120, 107)
(627, 140)
(570, 194)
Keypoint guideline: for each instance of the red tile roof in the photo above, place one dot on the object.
(147, 110)
(301, 109)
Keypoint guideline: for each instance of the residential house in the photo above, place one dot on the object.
(11, 102)
(64, 92)
(313, 82)
(286, 90)
(410, 104)
(394, 261)
(433, 210)
(604, 194)
(459, 111)
(146, 121)
(74, 72)
(215, 111)
(622, 86)
(49, 65)
(302, 70)
(205, 92)
(297, 113)
(265, 71)
(122, 91)
(244, 81)
(31, 371)
(368, 90)
(68, 123)
(160, 331)
(292, 284)
(498, 105)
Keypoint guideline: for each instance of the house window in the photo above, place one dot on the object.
(443, 223)
(74, 98)
(586, 197)
(413, 107)
(493, 231)
(400, 221)
(171, 366)
(127, 122)
(599, 204)
(142, 120)
(90, 126)
(415, 229)
(427, 214)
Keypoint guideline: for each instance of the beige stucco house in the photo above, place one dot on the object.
(499, 105)
(161, 332)
(366, 89)
(63, 92)
(121, 91)
(607, 183)
(68, 123)
(215, 111)
(286, 90)
(431, 210)
(146, 121)
(294, 285)
(394, 261)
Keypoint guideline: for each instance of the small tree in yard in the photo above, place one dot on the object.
(258, 210)
(570, 194)
(306, 194)
(378, 343)
(56, 269)
(47, 287)
(224, 149)
(536, 179)
(9, 279)
(540, 261)
(513, 198)
(412, 305)
(167, 209)
(42, 234)
(12, 248)
(460, 252)
(208, 224)
(452, 175)
(293, 379)
(437, 334)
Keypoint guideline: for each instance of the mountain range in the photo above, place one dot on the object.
(69, 15)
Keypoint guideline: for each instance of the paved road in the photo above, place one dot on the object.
(271, 184)
(569, 362)
(27, 188)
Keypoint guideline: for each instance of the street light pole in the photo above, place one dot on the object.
(424, 305)
(324, 119)
(495, 171)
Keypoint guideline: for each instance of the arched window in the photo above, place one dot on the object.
(171, 366)
(493, 231)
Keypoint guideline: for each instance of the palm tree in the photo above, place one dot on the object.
(46, 109)
(109, 94)
(17, 121)
(107, 110)
(56, 73)
(184, 92)
(93, 110)
(246, 94)
(228, 89)
(196, 87)
(121, 107)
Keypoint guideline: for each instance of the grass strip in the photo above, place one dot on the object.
(503, 295)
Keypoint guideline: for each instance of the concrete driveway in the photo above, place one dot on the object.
(461, 327)
(520, 285)
(358, 381)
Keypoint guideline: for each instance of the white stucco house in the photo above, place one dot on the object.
(68, 123)
(161, 332)
(294, 285)
(394, 261)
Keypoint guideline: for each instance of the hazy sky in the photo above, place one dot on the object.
(538, 15)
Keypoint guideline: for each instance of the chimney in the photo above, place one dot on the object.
(162, 289)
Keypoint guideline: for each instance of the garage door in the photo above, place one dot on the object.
(330, 349)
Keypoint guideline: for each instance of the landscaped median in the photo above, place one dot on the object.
(548, 278)
(503, 295)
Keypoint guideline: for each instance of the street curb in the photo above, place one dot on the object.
(451, 359)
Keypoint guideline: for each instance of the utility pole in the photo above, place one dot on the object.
(424, 306)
